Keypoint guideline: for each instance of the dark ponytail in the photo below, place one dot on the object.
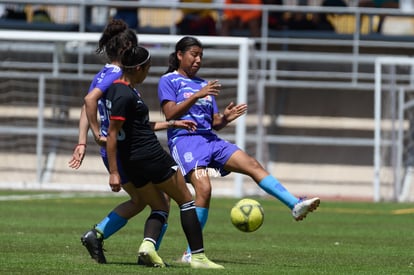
(173, 63)
(183, 45)
(114, 27)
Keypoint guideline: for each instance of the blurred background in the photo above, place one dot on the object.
(329, 86)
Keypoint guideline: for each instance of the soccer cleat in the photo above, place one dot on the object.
(149, 256)
(186, 258)
(93, 244)
(139, 261)
(200, 260)
(303, 207)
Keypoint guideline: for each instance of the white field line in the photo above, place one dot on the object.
(51, 196)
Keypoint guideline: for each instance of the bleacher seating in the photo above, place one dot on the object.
(11, 24)
(307, 75)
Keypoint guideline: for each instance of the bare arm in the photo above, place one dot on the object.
(172, 110)
(91, 108)
(111, 148)
(231, 113)
(162, 125)
(80, 148)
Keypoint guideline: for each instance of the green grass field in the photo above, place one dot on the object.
(40, 234)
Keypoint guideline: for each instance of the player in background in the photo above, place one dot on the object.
(115, 38)
(150, 168)
(183, 95)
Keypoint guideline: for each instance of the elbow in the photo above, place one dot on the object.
(169, 117)
(85, 101)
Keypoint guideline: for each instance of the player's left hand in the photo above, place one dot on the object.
(77, 156)
(233, 111)
(186, 124)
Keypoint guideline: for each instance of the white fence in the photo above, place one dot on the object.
(238, 50)
(286, 62)
(393, 129)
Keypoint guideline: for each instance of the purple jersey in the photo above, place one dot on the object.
(176, 87)
(202, 148)
(102, 81)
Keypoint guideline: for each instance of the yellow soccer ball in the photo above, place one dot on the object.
(247, 215)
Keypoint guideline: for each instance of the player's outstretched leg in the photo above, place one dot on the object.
(93, 241)
(303, 207)
(300, 207)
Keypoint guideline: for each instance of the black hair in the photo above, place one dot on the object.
(183, 45)
(133, 57)
(115, 39)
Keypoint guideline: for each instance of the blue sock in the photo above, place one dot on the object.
(111, 224)
(163, 229)
(202, 215)
(273, 187)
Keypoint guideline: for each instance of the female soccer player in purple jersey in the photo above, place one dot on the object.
(183, 95)
(149, 167)
(115, 38)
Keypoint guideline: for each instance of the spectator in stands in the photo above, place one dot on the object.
(385, 4)
(14, 11)
(129, 15)
(321, 20)
(276, 20)
(300, 20)
(197, 21)
(41, 15)
(316, 21)
(241, 19)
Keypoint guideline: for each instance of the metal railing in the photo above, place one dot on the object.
(267, 67)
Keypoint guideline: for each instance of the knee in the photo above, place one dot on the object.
(254, 164)
(203, 191)
(138, 204)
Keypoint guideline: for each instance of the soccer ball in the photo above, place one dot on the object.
(247, 215)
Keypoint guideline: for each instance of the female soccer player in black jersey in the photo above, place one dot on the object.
(147, 165)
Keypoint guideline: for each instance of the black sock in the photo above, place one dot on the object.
(191, 227)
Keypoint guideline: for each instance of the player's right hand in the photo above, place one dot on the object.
(115, 182)
(101, 141)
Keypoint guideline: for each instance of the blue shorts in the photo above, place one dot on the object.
(124, 178)
(194, 151)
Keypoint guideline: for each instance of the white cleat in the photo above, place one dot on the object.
(186, 258)
(303, 207)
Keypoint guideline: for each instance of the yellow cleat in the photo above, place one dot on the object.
(200, 260)
(149, 256)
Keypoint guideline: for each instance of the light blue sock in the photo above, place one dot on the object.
(111, 224)
(163, 229)
(202, 215)
(273, 187)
